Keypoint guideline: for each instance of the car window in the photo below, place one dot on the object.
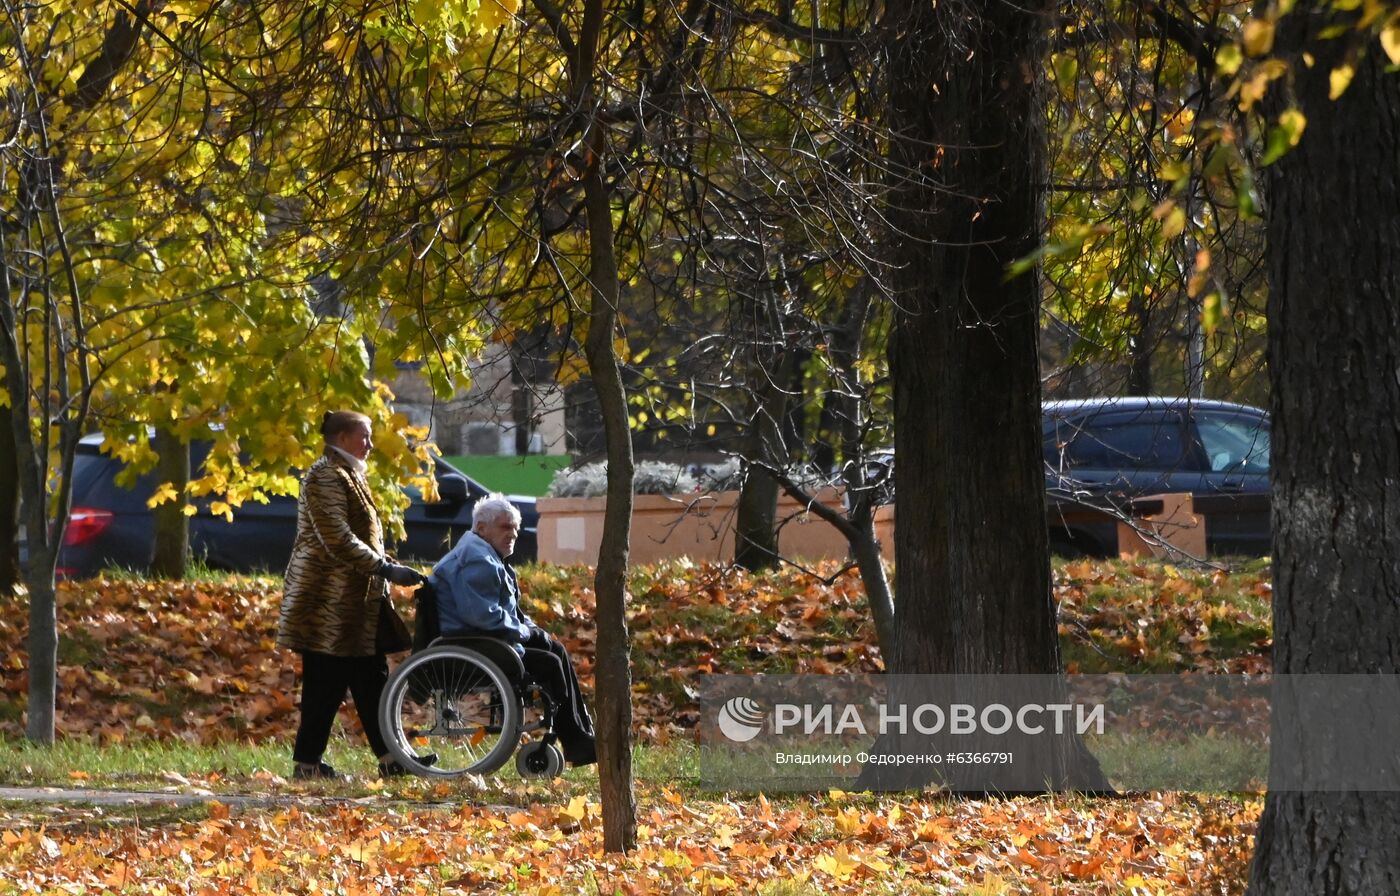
(1141, 443)
(1235, 443)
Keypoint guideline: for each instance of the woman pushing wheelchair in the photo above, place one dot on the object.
(335, 604)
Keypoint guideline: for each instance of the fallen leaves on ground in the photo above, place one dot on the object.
(829, 843)
(196, 661)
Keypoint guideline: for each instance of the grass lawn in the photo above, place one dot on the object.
(520, 475)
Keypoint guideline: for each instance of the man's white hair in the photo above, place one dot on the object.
(493, 507)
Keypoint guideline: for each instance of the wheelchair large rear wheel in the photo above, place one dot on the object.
(450, 711)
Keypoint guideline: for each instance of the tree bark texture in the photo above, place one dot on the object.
(1334, 366)
(756, 513)
(972, 575)
(756, 519)
(866, 548)
(1144, 343)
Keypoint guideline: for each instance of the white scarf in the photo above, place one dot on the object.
(355, 463)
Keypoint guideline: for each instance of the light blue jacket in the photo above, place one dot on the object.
(477, 592)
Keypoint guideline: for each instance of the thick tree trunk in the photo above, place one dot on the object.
(972, 572)
(755, 521)
(756, 512)
(171, 559)
(1334, 364)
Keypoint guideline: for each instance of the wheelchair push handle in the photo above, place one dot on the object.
(399, 574)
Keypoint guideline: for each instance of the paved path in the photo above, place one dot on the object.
(95, 797)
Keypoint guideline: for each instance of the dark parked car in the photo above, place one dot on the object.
(1105, 452)
(111, 526)
(1102, 454)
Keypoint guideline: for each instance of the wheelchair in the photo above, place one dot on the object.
(462, 705)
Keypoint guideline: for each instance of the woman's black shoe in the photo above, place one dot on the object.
(306, 771)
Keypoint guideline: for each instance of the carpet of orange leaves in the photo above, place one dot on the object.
(828, 844)
(195, 661)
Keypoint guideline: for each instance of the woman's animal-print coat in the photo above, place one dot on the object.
(331, 600)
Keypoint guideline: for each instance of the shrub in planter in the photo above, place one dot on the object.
(729, 477)
(723, 477)
(652, 477)
(587, 481)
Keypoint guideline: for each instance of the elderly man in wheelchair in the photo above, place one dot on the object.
(482, 674)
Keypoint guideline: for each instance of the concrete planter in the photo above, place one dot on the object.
(699, 526)
(1162, 526)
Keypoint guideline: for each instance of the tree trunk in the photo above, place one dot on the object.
(843, 421)
(612, 664)
(43, 643)
(171, 559)
(9, 505)
(871, 564)
(612, 669)
(755, 520)
(756, 512)
(47, 389)
(1334, 366)
(972, 570)
(840, 422)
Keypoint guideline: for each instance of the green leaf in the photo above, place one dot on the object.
(1066, 72)
(1244, 196)
(1285, 135)
(1276, 145)
(1229, 58)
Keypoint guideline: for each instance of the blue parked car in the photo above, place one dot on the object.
(111, 526)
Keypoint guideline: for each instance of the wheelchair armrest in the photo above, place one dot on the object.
(496, 650)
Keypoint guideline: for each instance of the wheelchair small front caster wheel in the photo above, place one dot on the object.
(539, 760)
